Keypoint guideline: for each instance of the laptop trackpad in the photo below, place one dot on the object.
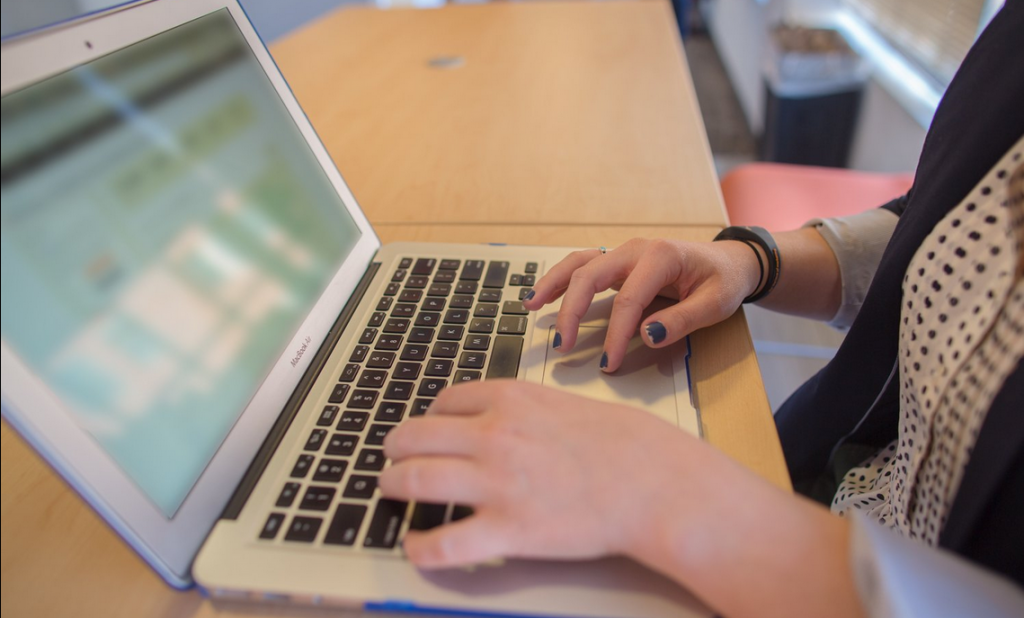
(654, 380)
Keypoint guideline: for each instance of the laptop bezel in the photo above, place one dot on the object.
(35, 412)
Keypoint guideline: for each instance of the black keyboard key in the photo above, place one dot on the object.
(445, 349)
(485, 310)
(362, 400)
(490, 296)
(512, 325)
(399, 275)
(272, 525)
(287, 496)
(419, 407)
(385, 524)
(406, 371)
(360, 487)
(478, 342)
(302, 466)
(327, 416)
(461, 302)
(342, 445)
(481, 325)
(344, 528)
(359, 353)
(371, 459)
(472, 360)
(414, 352)
(381, 360)
(456, 316)
(472, 271)
(377, 433)
(411, 296)
(451, 332)
(403, 310)
(317, 499)
(338, 393)
(384, 303)
(466, 375)
(349, 373)
(434, 303)
(392, 289)
(444, 276)
(505, 357)
(330, 470)
(439, 368)
(377, 318)
(440, 289)
(466, 287)
(515, 280)
(430, 387)
(405, 263)
(303, 529)
(372, 378)
(397, 325)
(524, 292)
(315, 440)
(513, 307)
(389, 412)
(388, 342)
(497, 272)
(426, 516)
(401, 391)
(369, 334)
(449, 265)
(424, 266)
(461, 511)
(421, 334)
(417, 282)
(529, 280)
(353, 421)
(531, 268)
(428, 318)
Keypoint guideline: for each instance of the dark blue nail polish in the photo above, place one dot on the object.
(656, 332)
(604, 360)
(557, 341)
(529, 295)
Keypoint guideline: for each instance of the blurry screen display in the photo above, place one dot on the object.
(165, 230)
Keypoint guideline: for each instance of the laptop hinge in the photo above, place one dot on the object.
(273, 439)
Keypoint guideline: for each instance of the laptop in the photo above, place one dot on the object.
(203, 335)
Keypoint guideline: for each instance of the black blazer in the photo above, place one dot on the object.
(980, 117)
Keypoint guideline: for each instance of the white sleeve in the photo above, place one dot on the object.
(858, 242)
(897, 577)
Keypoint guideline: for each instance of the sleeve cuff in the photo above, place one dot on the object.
(858, 242)
(897, 577)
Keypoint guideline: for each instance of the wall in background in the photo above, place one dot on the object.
(888, 138)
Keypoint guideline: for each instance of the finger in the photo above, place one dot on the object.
(435, 479)
(469, 397)
(433, 435)
(707, 305)
(556, 280)
(651, 274)
(597, 276)
(473, 540)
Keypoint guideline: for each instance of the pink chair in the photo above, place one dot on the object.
(780, 196)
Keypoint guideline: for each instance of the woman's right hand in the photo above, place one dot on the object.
(710, 280)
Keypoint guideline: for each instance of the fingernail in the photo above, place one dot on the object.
(529, 295)
(604, 360)
(656, 332)
(557, 341)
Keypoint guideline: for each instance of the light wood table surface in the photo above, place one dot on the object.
(561, 112)
(570, 124)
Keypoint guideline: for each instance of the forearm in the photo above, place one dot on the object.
(749, 549)
(810, 284)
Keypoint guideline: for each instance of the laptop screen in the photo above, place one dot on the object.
(165, 230)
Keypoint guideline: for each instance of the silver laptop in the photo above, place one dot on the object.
(203, 335)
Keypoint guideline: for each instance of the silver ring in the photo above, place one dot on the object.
(603, 250)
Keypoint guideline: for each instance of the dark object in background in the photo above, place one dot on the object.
(814, 83)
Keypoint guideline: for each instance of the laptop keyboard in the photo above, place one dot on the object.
(439, 322)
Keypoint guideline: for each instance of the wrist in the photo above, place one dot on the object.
(746, 268)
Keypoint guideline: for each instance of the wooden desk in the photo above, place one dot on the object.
(550, 156)
(561, 112)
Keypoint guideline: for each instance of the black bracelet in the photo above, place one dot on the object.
(760, 237)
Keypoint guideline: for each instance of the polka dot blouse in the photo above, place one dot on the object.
(961, 335)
